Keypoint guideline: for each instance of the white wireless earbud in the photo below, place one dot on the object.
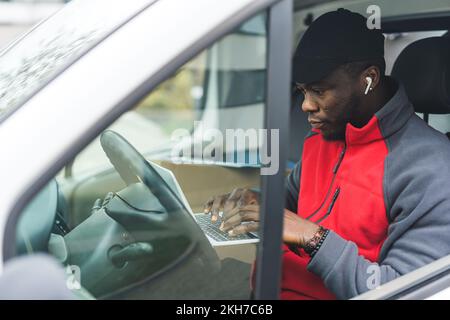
(369, 83)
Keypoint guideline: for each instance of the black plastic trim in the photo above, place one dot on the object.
(269, 258)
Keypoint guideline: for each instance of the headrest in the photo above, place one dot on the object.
(424, 69)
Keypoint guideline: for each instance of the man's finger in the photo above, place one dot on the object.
(249, 197)
(242, 209)
(230, 203)
(251, 216)
(208, 205)
(217, 207)
(244, 228)
(230, 213)
(244, 214)
(254, 208)
(231, 222)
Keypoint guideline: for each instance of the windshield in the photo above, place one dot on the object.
(37, 58)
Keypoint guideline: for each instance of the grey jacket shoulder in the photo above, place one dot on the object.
(418, 158)
(417, 193)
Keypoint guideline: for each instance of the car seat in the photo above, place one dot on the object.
(423, 67)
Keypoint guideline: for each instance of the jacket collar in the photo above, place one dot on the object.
(385, 122)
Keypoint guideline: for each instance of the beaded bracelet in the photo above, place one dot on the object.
(314, 244)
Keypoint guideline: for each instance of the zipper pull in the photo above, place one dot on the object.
(330, 207)
(341, 156)
(335, 195)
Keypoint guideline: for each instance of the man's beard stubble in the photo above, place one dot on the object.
(337, 133)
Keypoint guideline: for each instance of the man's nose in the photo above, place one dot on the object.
(308, 105)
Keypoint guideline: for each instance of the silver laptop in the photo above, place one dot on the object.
(215, 236)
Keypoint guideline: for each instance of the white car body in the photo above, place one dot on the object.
(18, 17)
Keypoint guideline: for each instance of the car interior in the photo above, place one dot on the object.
(110, 212)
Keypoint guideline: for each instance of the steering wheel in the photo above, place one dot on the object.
(176, 221)
(37, 220)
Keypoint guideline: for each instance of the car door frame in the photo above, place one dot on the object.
(429, 281)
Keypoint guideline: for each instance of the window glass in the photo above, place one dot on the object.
(129, 221)
(222, 88)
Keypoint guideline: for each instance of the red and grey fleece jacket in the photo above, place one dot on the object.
(384, 193)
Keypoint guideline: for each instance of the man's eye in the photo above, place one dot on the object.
(317, 91)
(299, 90)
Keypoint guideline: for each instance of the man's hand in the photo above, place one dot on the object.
(241, 215)
(297, 231)
(241, 205)
(241, 220)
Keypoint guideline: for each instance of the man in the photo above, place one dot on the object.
(370, 199)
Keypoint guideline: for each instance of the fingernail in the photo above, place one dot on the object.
(231, 233)
(213, 218)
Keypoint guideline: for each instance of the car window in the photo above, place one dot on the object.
(221, 88)
(129, 222)
(176, 103)
(50, 47)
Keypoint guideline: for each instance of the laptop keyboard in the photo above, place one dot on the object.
(212, 229)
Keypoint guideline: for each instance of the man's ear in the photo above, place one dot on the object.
(372, 72)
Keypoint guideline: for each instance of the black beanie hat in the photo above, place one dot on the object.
(333, 39)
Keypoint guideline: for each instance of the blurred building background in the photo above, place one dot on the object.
(17, 16)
